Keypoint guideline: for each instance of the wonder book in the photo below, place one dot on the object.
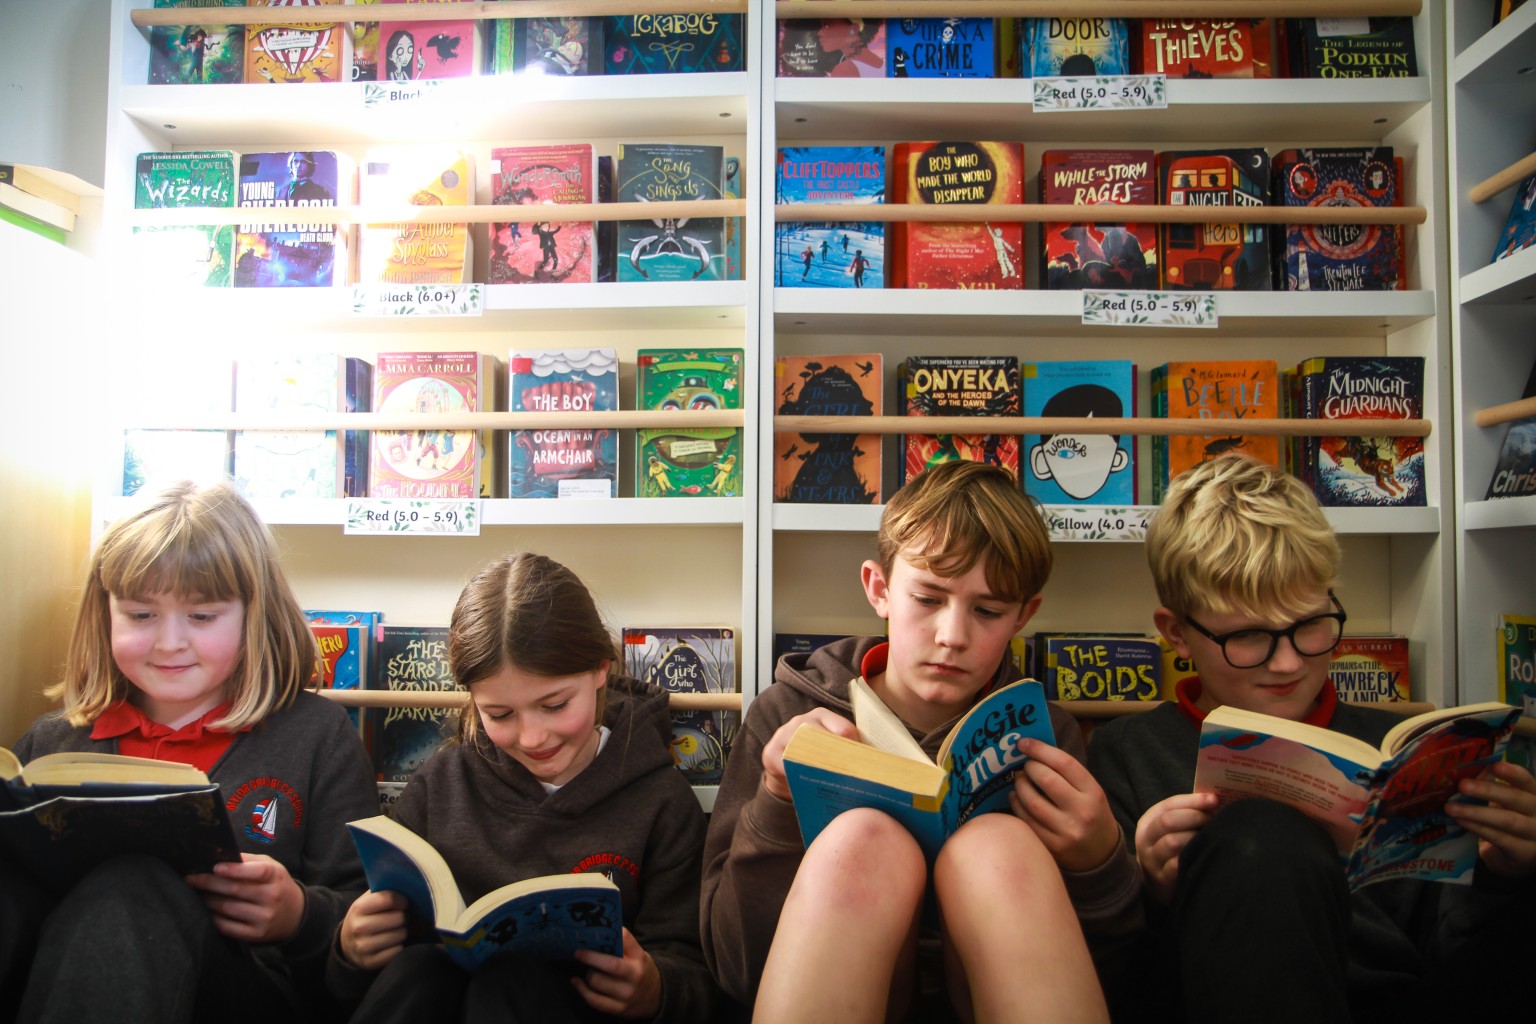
(536, 250)
(827, 254)
(1080, 468)
(563, 462)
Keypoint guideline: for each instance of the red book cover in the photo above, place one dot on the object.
(1098, 255)
(1191, 48)
(411, 50)
(537, 250)
(973, 255)
(430, 463)
(1371, 668)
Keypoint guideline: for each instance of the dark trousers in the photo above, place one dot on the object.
(424, 985)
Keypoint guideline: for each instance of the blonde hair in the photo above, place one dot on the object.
(959, 513)
(192, 541)
(1238, 535)
(528, 611)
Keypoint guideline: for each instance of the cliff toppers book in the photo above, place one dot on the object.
(1336, 257)
(292, 255)
(409, 253)
(1223, 391)
(411, 50)
(1371, 667)
(317, 51)
(942, 47)
(826, 254)
(957, 386)
(670, 44)
(1195, 48)
(886, 769)
(1076, 47)
(541, 250)
(1080, 469)
(670, 248)
(957, 255)
(196, 254)
(1098, 255)
(432, 463)
(1384, 807)
(412, 658)
(690, 659)
(1213, 256)
(834, 469)
(298, 464)
(831, 48)
(564, 462)
(196, 54)
(1362, 471)
(688, 462)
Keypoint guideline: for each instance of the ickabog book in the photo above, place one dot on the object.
(1384, 807)
(1115, 668)
(670, 248)
(308, 463)
(292, 255)
(1371, 667)
(671, 44)
(942, 47)
(410, 659)
(182, 255)
(980, 255)
(1113, 256)
(688, 462)
(565, 461)
(1350, 47)
(831, 48)
(828, 254)
(1080, 469)
(1076, 47)
(957, 386)
(196, 54)
(1217, 257)
(318, 51)
(1362, 471)
(886, 769)
(433, 463)
(548, 917)
(1514, 473)
(833, 469)
(1195, 48)
(1223, 391)
(409, 253)
(1520, 228)
(412, 50)
(1336, 257)
(540, 250)
(689, 659)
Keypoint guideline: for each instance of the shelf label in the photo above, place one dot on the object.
(392, 94)
(418, 299)
(1102, 92)
(1099, 522)
(1149, 309)
(443, 516)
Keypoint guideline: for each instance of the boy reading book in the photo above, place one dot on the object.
(1248, 908)
(829, 931)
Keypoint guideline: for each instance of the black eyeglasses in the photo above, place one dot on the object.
(1252, 647)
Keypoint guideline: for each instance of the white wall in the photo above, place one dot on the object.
(53, 85)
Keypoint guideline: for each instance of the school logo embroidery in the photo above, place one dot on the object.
(264, 820)
(259, 802)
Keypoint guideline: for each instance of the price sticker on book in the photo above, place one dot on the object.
(450, 517)
(1102, 92)
(418, 299)
(1149, 309)
(1098, 522)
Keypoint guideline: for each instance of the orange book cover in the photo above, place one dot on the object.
(972, 255)
(430, 463)
(1371, 668)
(408, 253)
(317, 51)
(1223, 391)
(835, 469)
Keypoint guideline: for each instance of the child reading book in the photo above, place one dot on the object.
(830, 931)
(189, 646)
(560, 766)
(1248, 904)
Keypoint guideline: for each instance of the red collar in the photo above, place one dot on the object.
(123, 718)
(874, 660)
(1189, 690)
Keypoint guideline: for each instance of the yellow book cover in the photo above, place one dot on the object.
(317, 51)
(416, 253)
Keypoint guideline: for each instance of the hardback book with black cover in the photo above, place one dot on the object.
(292, 255)
(1358, 47)
(1217, 257)
(670, 248)
(409, 659)
(557, 47)
(967, 255)
(834, 469)
(831, 48)
(197, 54)
(690, 659)
(828, 254)
(1082, 254)
(684, 461)
(671, 44)
(1362, 471)
(542, 251)
(1078, 468)
(1076, 47)
(563, 462)
(957, 386)
(1336, 257)
(1514, 474)
(941, 47)
(191, 254)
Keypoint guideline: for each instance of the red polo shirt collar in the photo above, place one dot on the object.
(1189, 691)
(194, 743)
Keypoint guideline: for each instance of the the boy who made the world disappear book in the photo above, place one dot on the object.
(827, 254)
(1080, 469)
(309, 463)
(1361, 471)
(957, 255)
(942, 47)
(957, 386)
(688, 462)
(670, 248)
(1336, 257)
(292, 255)
(541, 250)
(1098, 254)
(1074, 47)
(196, 54)
(411, 50)
(194, 254)
(433, 463)
(565, 461)
(1213, 256)
(689, 659)
(670, 44)
(1223, 391)
(317, 51)
(835, 469)
(410, 659)
(411, 253)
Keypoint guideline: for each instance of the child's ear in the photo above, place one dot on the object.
(602, 673)
(876, 587)
(1027, 612)
(1172, 628)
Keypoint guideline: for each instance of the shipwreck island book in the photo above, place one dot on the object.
(828, 254)
(536, 250)
(548, 917)
(317, 51)
(568, 462)
(886, 768)
(833, 469)
(1371, 667)
(292, 255)
(197, 54)
(1384, 807)
(973, 254)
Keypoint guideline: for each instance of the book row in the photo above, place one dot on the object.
(408, 51)
(1341, 47)
(1079, 254)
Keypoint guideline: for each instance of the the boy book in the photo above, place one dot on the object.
(411, 50)
(826, 254)
(196, 54)
(670, 248)
(1371, 667)
(831, 48)
(834, 469)
(193, 254)
(409, 658)
(62, 814)
(1100, 667)
(886, 769)
(688, 462)
(957, 255)
(1356, 471)
(542, 250)
(1076, 47)
(1520, 227)
(1080, 469)
(410, 253)
(299, 464)
(1384, 807)
(1213, 256)
(1098, 254)
(432, 463)
(1222, 391)
(317, 51)
(548, 917)
(941, 47)
(292, 255)
(957, 386)
(670, 44)
(1194, 48)
(689, 659)
(564, 461)
(1336, 257)
(1350, 47)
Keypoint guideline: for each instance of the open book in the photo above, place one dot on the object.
(63, 814)
(1384, 808)
(886, 768)
(549, 917)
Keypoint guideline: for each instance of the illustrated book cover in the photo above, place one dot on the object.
(1336, 257)
(957, 255)
(299, 464)
(1384, 807)
(197, 54)
(831, 48)
(412, 50)
(1213, 256)
(292, 255)
(941, 47)
(565, 461)
(672, 44)
(1080, 469)
(828, 254)
(547, 917)
(1195, 48)
(1350, 47)
(688, 462)
(670, 248)
(1520, 227)
(1098, 254)
(1223, 391)
(558, 47)
(193, 254)
(833, 469)
(1371, 667)
(1516, 661)
(690, 659)
(1076, 47)
(433, 463)
(542, 250)
(408, 658)
(1514, 473)
(885, 768)
(957, 386)
(410, 253)
(317, 51)
(1120, 668)
(1362, 471)
(365, 47)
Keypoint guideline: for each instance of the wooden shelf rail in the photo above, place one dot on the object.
(458, 698)
(1098, 8)
(1099, 212)
(147, 18)
(406, 214)
(1139, 425)
(1511, 175)
(303, 420)
(1505, 413)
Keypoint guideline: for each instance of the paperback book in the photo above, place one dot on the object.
(1516, 654)
(1350, 47)
(154, 459)
(1371, 667)
(831, 48)
(434, 463)
(559, 47)
(412, 50)
(957, 386)
(542, 250)
(691, 659)
(563, 462)
(300, 464)
(1362, 471)
(688, 462)
(1336, 257)
(828, 254)
(409, 659)
(1194, 48)
(1519, 231)
(1076, 47)
(1113, 256)
(348, 644)
(833, 469)
(1114, 668)
(801, 643)
(365, 47)
(182, 255)
(1514, 472)
(957, 255)
(671, 44)
(1080, 468)
(1213, 256)
(408, 253)
(670, 248)
(1223, 391)
(942, 47)
(317, 51)
(292, 255)
(196, 54)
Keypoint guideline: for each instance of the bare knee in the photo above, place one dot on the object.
(862, 856)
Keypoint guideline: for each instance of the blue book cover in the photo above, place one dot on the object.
(290, 255)
(1101, 667)
(826, 254)
(1336, 257)
(670, 248)
(1520, 229)
(690, 659)
(410, 658)
(669, 44)
(941, 47)
(1080, 469)
(566, 462)
(1075, 47)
